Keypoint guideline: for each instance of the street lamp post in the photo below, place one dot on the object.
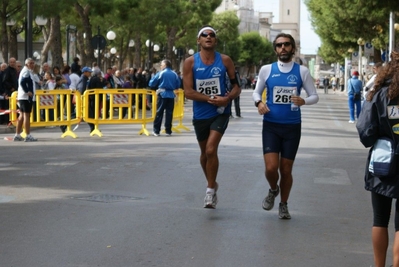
(71, 40)
(98, 42)
(148, 43)
(360, 42)
(131, 45)
(113, 52)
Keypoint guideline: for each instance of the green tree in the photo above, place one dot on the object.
(340, 23)
(256, 51)
(226, 24)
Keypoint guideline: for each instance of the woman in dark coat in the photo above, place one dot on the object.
(380, 118)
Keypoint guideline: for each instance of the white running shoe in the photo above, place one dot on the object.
(211, 199)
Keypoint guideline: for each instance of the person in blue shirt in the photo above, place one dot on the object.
(355, 86)
(281, 133)
(204, 79)
(165, 81)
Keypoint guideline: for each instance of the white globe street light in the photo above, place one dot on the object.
(156, 48)
(113, 50)
(191, 52)
(41, 21)
(111, 35)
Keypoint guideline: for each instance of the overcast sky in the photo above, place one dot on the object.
(309, 40)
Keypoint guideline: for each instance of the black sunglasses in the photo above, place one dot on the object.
(284, 43)
(206, 34)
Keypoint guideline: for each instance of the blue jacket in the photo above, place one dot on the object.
(354, 85)
(166, 79)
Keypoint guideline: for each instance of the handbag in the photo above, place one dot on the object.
(384, 158)
(356, 95)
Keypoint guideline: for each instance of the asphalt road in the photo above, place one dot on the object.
(133, 200)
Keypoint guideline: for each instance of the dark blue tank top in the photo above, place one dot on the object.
(209, 80)
(278, 96)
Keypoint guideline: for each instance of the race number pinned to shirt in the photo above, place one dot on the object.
(282, 95)
(209, 86)
(393, 112)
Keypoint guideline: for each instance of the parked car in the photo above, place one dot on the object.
(253, 82)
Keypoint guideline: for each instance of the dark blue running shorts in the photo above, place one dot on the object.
(203, 127)
(281, 138)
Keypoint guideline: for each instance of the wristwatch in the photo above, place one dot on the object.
(257, 103)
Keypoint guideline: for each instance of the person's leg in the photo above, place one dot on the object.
(351, 108)
(286, 178)
(159, 115)
(379, 233)
(209, 158)
(20, 122)
(91, 111)
(237, 106)
(169, 106)
(396, 239)
(26, 122)
(271, 169)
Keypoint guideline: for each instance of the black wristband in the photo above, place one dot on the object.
(257, 103)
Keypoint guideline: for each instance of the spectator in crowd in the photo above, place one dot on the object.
(10, 83)
(127, 84)
(118, 81)
(379, 120)
(166, 81)
(75, 67)
(45, 68)
(109, 77)
(354, 96)
(334, 83)
(65, 74)
(26, 93)
(96, 81)
(133, 77)
(3, 95)
(37, 86)
(19, 67)
(326, 84)
(82, 85)
(56, 71)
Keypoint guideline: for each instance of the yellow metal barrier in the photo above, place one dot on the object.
(178, 111)
(106, 101)
(52, 108)
(55, 108)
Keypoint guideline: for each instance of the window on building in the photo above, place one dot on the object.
(288, 12)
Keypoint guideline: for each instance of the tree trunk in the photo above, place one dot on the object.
(4, 36)
(56, 44)
(84, 44)
(137, 51)
(13, 45)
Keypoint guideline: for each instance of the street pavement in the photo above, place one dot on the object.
(126, 200)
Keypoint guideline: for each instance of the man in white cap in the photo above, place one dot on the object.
(205, 83)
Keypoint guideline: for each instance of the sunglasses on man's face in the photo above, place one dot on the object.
(286, 44)
(210, 34)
